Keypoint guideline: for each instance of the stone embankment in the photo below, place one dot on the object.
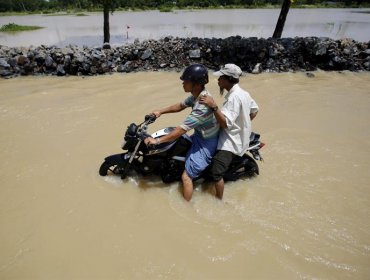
(253, 55)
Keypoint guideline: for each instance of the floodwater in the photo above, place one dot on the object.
(306, 216)
(88, 30)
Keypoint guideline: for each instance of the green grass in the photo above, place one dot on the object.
(12, 27)
(165, 9)
(49, 13)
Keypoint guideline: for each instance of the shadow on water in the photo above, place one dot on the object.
(148, 182)
(361, 12)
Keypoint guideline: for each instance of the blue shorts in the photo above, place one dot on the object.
(200, 155)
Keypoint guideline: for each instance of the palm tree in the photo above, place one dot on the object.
(282, 17)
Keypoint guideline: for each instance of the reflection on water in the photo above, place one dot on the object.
(64, 30)
(305, 216)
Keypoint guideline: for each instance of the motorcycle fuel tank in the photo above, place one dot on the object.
(164, 147)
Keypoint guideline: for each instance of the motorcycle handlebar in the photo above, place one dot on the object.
(151, 146)
(150, 118)
(145, 135)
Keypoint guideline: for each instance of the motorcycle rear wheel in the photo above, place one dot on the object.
(245, 167)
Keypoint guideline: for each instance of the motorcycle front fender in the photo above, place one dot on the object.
(118, 159)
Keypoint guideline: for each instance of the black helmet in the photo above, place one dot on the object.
(195, 73)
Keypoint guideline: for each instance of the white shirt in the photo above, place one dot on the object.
(237, 107)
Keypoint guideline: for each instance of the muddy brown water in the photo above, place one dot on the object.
(306, 216)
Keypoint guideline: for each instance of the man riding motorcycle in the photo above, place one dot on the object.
(201, 119)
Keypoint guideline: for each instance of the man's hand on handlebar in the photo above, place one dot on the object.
(150, 142)
(157, 114)
(150, 118)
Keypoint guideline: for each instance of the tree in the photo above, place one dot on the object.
(282, 17)
(6, 5)
(108, 6)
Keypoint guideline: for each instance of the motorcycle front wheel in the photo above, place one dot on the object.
(103, 170)
(106, 166)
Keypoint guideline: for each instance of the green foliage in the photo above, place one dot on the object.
(165, 9)
(28, 6)
(12, 27)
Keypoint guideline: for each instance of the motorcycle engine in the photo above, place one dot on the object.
(171, 170)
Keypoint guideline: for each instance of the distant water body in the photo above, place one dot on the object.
(125, 27)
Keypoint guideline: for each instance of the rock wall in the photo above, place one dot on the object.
(253, 55)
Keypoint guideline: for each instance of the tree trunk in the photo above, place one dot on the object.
(24, 8)
(106, 24)
(282, 17)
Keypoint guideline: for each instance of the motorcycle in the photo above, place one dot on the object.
(168, 159)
